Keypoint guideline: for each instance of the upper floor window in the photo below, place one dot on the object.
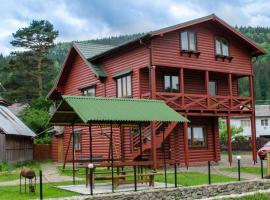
(123, 85)
(89, 91)
(188, 41)
(197, 136)
(222, 46)
(171, 83)
(264, 122)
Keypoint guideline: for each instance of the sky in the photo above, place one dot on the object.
(90, 19)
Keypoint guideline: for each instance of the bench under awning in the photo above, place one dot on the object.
(82, 110)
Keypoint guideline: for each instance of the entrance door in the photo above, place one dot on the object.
(60, 149)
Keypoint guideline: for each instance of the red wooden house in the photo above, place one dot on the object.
(194, 67)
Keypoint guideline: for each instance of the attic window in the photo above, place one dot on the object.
(89, 91)
(188, 41)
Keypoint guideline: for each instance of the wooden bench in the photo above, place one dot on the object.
(141, 178)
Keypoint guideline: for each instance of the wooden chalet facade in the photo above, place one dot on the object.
(194, 67)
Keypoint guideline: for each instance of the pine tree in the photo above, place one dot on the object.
(36, 39)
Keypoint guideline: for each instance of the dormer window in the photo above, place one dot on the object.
(222, 46)
(188, 41)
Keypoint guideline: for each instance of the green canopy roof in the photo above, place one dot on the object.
(80, 110)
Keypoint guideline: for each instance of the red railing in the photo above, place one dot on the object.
(180, 101)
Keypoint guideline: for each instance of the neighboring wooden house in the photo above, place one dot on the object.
(262, 117)
(194, 67)
(16, 139)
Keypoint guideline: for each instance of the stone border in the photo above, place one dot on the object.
(191, 192)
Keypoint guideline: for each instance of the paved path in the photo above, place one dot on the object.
(50, 174)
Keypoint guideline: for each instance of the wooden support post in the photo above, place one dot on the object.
(90, 159)
(230, 89)
(153, 131)
(73, 155)
(253, 138)
(229, 139)
(207, 86)
(112, 159)
(182, 85)
(186, 150)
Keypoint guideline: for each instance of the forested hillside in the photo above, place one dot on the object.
(261, 66)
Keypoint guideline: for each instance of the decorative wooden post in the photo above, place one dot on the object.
(230, 89)
(207, 86)
(229, 139)
(182, 86)
(186, 152)
(153, 131)
(252, 120)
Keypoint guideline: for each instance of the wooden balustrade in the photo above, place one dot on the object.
(179, 101)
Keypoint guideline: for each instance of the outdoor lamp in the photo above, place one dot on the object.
(238, 157)
(90, 165)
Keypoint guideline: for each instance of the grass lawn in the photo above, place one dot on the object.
(49, 191)
(11, 172)
(194, 178)
(249, 170)
(258, 196)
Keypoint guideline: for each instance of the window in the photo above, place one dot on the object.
(171, 83)
(245, 123)
(264, 122)
(123, 86)
(77, 140)
(196, 136)
(188, 41)
(222, 46)
(213, 88)
(90, 91)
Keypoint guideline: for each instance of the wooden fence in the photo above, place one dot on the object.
(42, 152)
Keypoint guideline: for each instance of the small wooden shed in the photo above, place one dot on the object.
(16, 139)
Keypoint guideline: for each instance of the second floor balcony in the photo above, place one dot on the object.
(201, 91)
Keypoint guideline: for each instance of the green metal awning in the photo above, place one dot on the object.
(81, 110)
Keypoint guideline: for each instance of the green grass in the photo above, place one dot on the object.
(249, 170)
(194, 178)
(10, 172)
(49, 191)
(258, 196)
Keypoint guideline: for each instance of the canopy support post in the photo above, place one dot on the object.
(164, 159)
(141, 142)
(111, 144)
(229, 139)
(73, 154)
(186, 150)
(91, 158)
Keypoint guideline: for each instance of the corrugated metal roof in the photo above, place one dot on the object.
(262, 110)
(83, 109)
(12, 125)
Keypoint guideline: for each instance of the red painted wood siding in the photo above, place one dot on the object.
(166, 52)
(79, 76)
(135, 59)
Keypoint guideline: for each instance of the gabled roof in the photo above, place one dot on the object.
(79, 110)
(256, 49)
(12, 125)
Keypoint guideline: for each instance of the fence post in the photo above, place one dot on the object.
(262, 168)
(209, 172)
(238, 164)
(40, 185)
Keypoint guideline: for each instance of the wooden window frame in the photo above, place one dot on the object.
(76, 132)
(264, 122)
(88, 88)
(189, 51)
(163, 79)
(216, 87)
(223, 57)
(205, 146)
(121, 77)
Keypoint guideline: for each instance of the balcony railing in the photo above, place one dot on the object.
(179, 101)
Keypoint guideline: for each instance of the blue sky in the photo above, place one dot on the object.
(87, 19)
